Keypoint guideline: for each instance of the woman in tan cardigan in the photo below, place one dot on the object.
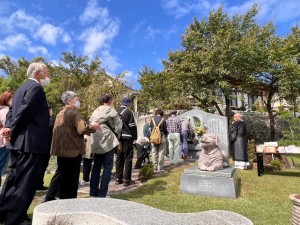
(68, 145)
(104, 142)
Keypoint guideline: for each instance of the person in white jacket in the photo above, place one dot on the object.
(104, 143)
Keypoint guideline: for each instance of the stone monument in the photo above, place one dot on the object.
(221, 183)
(216, 124)
(216, 182)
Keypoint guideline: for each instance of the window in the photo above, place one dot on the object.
(251, 100)
(233, 100)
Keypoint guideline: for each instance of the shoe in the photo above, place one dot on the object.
(128, 183)
(137, 167)
(239, 167)
(43, 188)
(92, 196)
(83, 182)
(119, 181)
(107, 196)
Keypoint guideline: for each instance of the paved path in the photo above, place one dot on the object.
(117, 189)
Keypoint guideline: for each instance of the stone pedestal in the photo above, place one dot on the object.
(222, 183)
(295, 209)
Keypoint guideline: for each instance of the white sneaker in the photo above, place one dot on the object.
(82, 182)
(239, 167)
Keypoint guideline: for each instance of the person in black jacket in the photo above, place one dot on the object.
(127, 140)
(30, 143)
(239, 140)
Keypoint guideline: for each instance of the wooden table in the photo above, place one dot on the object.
(260, 160)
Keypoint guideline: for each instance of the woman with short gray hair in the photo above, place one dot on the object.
(68, 145)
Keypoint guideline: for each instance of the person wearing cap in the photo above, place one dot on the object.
(29, 141)
(68, 145)
(239, 140)
(127, 140)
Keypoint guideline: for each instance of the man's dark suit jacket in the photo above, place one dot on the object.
(29, 120)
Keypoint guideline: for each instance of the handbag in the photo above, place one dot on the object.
(118, 149)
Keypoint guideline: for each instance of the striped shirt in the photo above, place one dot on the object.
(174, 125)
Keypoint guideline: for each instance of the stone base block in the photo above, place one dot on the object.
(222, 183)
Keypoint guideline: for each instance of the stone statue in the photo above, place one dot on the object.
(211, 157)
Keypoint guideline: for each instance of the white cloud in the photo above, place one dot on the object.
(93, 13)
(99, 35)
(20, 20)
(151, 33)
(94, 40)
(14, 42)
(49, 33)
(66, 38)
(171, 32)
(137, 27)
(276, 10)
(179, 8)
(109, 61)
(38, 49)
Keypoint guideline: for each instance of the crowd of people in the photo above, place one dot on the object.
(29, 136)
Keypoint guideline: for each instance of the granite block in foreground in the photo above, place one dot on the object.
(109, 211)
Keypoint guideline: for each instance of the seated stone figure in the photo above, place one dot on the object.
(211, 157)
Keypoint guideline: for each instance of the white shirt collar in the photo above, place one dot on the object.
(31, 78)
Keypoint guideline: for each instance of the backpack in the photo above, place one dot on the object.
(155, 137)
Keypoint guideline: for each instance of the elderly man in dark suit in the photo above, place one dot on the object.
(30, 143)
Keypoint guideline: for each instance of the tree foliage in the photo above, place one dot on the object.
(216, 53)
(73, 72)
(221, 54)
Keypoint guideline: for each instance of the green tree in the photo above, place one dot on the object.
(289, 88)
(277, 71)
(160, 90)
(216, 53)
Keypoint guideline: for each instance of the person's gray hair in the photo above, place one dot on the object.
(68, 95)
(33, 67)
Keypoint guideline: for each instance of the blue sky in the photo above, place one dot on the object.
(126, 35)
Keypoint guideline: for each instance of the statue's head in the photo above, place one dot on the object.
(209, 140)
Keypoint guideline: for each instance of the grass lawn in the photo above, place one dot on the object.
(264, 199)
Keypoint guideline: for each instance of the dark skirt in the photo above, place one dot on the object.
(240, 150)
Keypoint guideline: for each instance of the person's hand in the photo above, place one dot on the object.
(96, 126)
(6, 131)
(134, 141)
(5, 135)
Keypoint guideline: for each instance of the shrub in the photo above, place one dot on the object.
(280, 108)
(146, 172)
(243, 108)
(251, 150)
(275, 164)
(253, 108)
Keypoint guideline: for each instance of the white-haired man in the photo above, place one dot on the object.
(29, 144)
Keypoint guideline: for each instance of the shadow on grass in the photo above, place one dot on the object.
(284, 173)
(239, 185)
(146, 189)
